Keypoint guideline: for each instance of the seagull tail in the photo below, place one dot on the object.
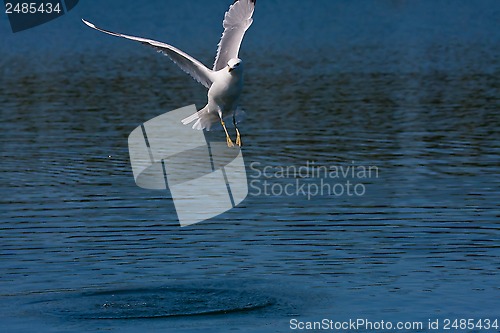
(203, 119)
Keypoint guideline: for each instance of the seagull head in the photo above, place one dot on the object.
(234, 64)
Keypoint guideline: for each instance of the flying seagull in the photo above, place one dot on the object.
(225, 81)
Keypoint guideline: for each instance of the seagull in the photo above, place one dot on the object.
(224, 81)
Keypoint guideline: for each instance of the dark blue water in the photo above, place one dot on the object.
(409, 88)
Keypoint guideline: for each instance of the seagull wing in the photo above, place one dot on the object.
(236, 21)
(187, 63)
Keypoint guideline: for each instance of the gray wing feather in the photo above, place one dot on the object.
(187, 63)
(237, 20)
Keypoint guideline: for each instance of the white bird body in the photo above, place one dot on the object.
(223, 96)
(226, 88)
(225, 80)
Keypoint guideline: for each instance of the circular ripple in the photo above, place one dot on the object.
(156, 303)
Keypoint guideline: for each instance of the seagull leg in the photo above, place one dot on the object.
(238, 136)
(228, 138)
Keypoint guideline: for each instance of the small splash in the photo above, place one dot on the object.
(156, 303)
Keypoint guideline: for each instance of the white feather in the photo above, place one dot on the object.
(225, 81)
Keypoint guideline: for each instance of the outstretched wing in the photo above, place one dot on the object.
(187, 63)
(236, 21)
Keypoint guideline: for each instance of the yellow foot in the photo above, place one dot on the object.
(238, 137)
(229, 142)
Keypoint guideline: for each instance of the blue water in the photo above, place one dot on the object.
(411, 88)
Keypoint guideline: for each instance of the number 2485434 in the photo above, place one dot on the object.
(32, 8)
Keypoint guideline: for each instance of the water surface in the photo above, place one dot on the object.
(84, 249)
